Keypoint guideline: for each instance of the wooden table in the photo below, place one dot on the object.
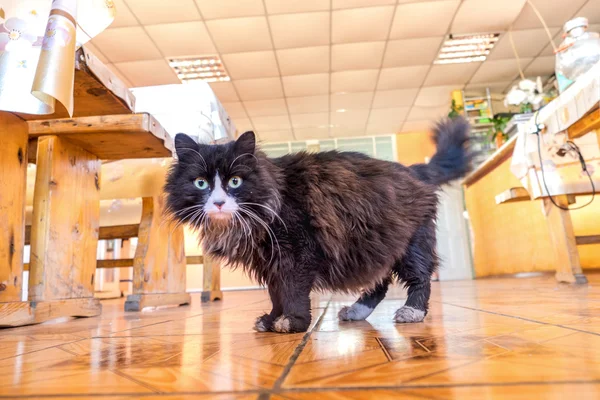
(513, 238)
(65, 226)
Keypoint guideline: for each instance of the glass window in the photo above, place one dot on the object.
(384, 147)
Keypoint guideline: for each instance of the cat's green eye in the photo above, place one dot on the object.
(201, 183)
(235, 182)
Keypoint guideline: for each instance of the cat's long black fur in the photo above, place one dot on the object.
(334, 220)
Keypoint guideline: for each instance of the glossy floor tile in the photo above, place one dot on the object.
(493, 338)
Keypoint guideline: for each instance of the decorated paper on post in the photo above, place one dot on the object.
(38, 39)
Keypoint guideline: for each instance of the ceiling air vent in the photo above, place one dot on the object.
(459, 49)
(207, 69)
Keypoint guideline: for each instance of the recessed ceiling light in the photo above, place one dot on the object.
(341, 110)
(466, 48)
(206, 68)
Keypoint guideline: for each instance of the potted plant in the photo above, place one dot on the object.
(528, 95)
(455, 110)
(498, 134)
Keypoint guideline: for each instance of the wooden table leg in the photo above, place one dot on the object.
(64, 231)
(159, 262)
(563, 240)
(13, 176)
(211, 280)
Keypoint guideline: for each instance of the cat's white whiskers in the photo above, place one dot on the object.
(198, 215)
(167, 220)
(187, 208)
(249, 230)
(200, 155)
(252, 241)
(269, 209)
(240, 156)
(245, 227)
(172, 214)
(269, 231)
(179, 220)
(183, 215)
(256, 218)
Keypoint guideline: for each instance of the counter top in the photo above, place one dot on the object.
(580, 128)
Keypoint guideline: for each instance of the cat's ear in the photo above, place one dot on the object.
(246, 143)
(185, 146)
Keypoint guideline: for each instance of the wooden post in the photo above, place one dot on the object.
(211, 280)
(13, 175)
(159, 263)
(563, 240)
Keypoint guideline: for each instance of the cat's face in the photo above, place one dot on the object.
(213, 183)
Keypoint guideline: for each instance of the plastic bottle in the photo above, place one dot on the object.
(579, 51)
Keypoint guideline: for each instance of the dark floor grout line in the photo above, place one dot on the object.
(523, 319)
(421, 395)
(445, 370)
(67, 351)
(498, 345)
(45, 348)
(117, 332)
(437, 386)
(320, 389)
(433, 397)
(298, 351)
(136, 381)
(260, 361)
(348, 371)
(130, 329)
(134, 395)
(178, 319)
(264, 396)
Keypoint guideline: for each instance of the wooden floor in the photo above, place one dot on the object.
(496, 338)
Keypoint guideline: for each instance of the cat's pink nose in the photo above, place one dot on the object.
(219, 203)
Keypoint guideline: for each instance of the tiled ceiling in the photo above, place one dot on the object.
(311, 69)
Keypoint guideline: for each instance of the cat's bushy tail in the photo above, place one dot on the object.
(453, 157)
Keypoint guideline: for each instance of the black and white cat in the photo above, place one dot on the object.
(335, 221)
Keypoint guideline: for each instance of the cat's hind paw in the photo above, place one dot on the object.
(264, 323)
(406, 314)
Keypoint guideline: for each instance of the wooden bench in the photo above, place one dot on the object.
(561, 231)
(65, 223)
(65, 226)
(71, 154)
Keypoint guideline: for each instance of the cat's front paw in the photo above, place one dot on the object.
(291, 324)
(355, 312)
(264, 323)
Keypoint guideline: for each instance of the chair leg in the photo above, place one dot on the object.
(211, 280)
(564, 242)
(159, 262)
